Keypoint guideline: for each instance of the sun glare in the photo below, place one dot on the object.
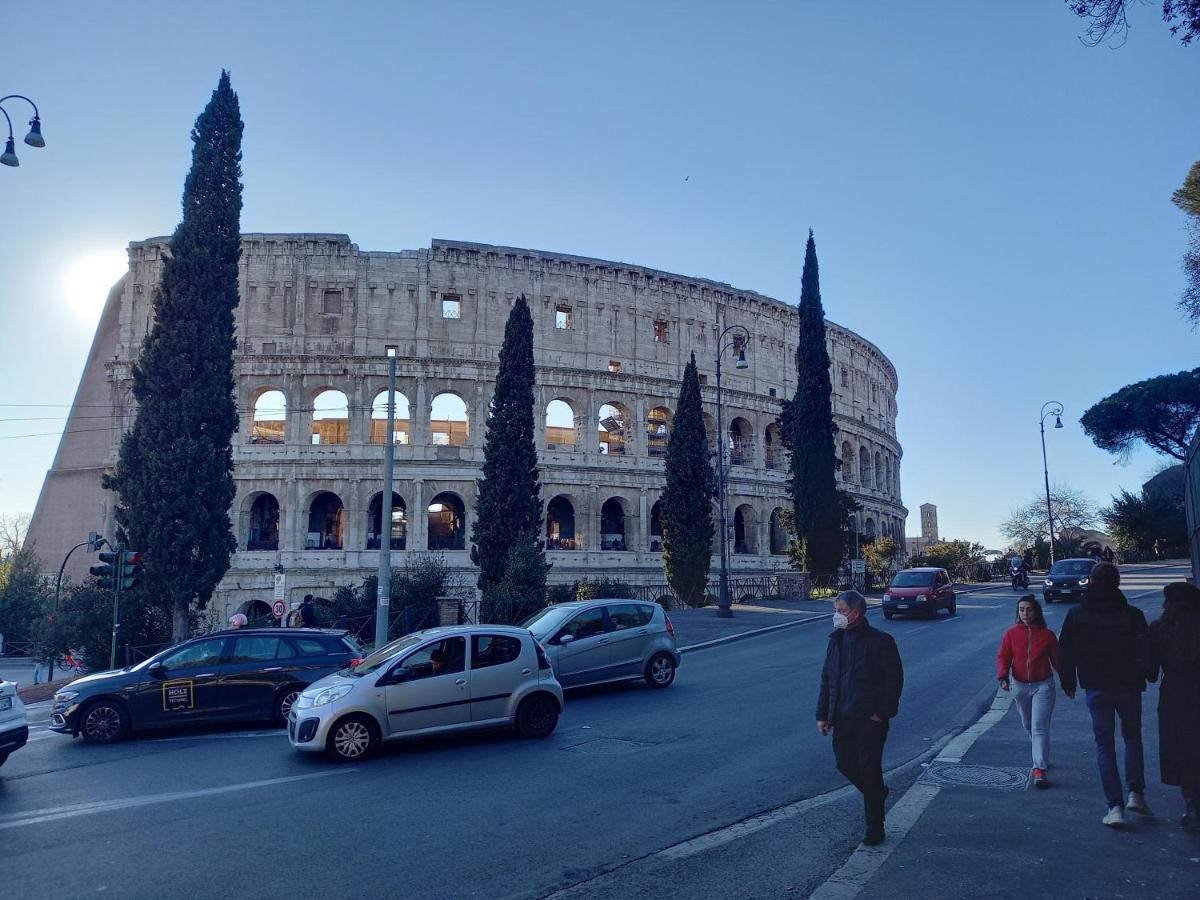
(87, 280)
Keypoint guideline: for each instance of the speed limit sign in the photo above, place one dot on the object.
(278, 608)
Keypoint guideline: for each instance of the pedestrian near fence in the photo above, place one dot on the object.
(1101, 648)
(861, 683)
(1026, 664)
(1174, 649)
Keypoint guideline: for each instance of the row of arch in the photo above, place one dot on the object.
(880, 471)
(329, 419)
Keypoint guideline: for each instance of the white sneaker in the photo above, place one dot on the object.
(1137, 803)
(1115, 818)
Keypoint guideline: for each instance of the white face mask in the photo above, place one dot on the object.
(839, 620)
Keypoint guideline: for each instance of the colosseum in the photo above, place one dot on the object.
(611, 339)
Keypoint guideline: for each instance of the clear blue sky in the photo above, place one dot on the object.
(991, 199)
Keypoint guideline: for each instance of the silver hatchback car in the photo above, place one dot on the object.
(442, 680)
(596, 641)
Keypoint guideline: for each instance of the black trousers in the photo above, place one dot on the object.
(858, 749)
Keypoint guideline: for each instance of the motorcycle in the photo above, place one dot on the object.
(1020, 578)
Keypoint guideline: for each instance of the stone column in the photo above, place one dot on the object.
(588, 429)
(638, 443)
(355, 530)
(295, 518)
(359, 412)
(643, 526)
(418, 410)
(418, 517)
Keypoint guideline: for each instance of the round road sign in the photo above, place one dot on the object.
(278, 608)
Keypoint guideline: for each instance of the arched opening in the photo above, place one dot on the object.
(887, 474)
(774, 447)
(612, 525)
(612, 419)
(710, 431)
(779, 536)
(743, 529)
(375, 522)
(326, 522)
(401, 421)
(330, 418)
(447, 522)
(560, 425)
(448, 426)
(560, 525)
(656, 527)
(847, 462)
(270, 418)
(741, 443)
(869, 530)
(263, 532)
(864, 466)
(658, 430)
(879, 482)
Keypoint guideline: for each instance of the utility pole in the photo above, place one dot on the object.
(724, 601)
(1056, 410)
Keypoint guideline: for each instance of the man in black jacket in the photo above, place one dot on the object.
(1100, 647)
(860, 692)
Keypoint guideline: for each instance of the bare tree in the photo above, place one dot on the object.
(1071, 510)
(1110, 17)
(13, 529)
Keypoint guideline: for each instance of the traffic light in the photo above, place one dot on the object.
(107, 570)
(131, 569)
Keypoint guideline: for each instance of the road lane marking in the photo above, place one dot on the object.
(55, 813)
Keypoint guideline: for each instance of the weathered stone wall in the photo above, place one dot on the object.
(317, 314)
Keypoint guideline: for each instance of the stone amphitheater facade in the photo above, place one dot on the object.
(316, 317)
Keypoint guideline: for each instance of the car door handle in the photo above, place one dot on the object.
(644, 631)
(602, 641)
(527, 671)
(205, 675)
(274, 669)
(461, 682)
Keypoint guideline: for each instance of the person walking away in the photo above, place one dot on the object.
(1100, 648)
(237, 620)
(1026, 664)
(308, 614)
(861, 683)
(1174, 649)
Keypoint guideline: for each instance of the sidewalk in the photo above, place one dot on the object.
(1011, 840)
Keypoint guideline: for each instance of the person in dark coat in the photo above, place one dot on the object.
(308, 613)
(1174, 649)
(861, 683)
(1101, 647)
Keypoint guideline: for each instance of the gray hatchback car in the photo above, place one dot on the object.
(597, 641)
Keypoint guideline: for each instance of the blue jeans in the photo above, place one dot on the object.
(1104, 706)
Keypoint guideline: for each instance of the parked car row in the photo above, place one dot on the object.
(14, 727)
(336, 700)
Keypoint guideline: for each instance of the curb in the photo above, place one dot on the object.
(742, 635)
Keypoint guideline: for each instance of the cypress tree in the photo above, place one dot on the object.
(509, 508)
(687, 499)
(174, 474)
(813, 461)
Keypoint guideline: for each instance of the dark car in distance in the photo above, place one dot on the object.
(920, 591)
(248, 674)
(1067, 579)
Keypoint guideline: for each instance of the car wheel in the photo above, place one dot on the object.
(537, 716)
(103, 722)
(283, 703)
(887, 613)
(353, 738)
(660, 670)
(954, 607)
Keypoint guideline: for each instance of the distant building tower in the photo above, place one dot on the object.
(929, 526)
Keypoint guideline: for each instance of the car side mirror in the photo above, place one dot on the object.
(157, 670)
(565, 638)
(399, 674)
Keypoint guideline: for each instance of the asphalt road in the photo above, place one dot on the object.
(603, 808)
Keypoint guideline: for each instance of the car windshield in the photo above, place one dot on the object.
(546, 620)
(384, 655)
(1072, 567)
(913, 579)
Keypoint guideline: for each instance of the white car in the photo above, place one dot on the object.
(14, 727)
(442, 680)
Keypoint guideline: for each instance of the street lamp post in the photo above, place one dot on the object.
(1056, 410)
(739, 341)
(33, 139)
(383, 599)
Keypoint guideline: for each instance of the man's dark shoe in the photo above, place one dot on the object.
(873, 836)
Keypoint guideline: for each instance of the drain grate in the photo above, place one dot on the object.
(608, 747)
(965, 775)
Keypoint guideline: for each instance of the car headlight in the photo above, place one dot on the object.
(65, 696)
(1048, 583)
(1083, 582)
(328, 695)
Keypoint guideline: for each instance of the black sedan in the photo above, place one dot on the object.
(251, 674)
(1067, 580)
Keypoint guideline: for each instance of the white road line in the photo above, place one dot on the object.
(854, 875)
(52, 814)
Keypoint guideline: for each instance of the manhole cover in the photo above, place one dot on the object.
(607, 747)
(964, 775)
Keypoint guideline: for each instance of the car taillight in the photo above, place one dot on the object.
(543, 660)
(354, 662)
(670, 627)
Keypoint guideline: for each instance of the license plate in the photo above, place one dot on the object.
(5, 702)
(901, 606)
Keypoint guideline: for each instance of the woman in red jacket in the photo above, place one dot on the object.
(1029, 657)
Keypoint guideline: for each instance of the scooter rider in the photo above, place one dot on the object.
(1020, 573)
